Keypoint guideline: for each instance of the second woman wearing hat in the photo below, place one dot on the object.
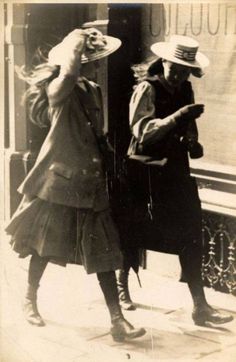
(166, 210)
(64, 215)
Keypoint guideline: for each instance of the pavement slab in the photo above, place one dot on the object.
(78, 323)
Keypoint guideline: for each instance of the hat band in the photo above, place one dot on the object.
(185, 54)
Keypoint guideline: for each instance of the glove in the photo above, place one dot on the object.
(95, 40)
(187, 113)
(195, 150)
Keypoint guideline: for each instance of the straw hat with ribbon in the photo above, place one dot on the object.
(97, 46)
(181, 49)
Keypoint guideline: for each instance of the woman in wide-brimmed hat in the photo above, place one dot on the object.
(64, 215)
(166, 210)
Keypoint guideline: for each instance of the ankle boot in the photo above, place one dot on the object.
(123, 290)
(191, 261)
(30, 308)
(121, 329)
(203, 314)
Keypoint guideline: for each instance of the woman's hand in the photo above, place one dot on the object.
(95, 40)
(192, 111)
(195, 150)
(188, 113)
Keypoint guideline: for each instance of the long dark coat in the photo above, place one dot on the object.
(161, 209)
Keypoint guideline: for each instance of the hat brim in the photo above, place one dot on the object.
(57, 53)
(165, 51)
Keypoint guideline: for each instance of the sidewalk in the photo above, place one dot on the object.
(77, 328)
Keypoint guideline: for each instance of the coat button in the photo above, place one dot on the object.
(95, 159)
(84, 172)
(97, 173)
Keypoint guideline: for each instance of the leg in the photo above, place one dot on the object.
(190, 259)
(121, 329)
(123, 290)
(36, 268)
(130, 258)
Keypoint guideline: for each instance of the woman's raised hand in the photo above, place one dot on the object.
(188, 113)
(192, 111)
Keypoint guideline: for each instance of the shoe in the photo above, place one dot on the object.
(31, 313)
(208, 314)
(123, 330)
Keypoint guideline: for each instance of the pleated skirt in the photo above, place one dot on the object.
(66, 235)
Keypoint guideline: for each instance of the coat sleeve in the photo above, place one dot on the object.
(60, 88)
(144, 125)
(192, 131)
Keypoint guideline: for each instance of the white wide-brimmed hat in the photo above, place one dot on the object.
(97, 46)
(181, 50)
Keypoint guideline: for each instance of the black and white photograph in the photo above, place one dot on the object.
(118, 181)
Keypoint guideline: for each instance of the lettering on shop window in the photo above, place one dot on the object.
(194, 19)
(196, 29)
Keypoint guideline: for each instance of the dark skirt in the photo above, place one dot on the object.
(158, 212)
(66, 235)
